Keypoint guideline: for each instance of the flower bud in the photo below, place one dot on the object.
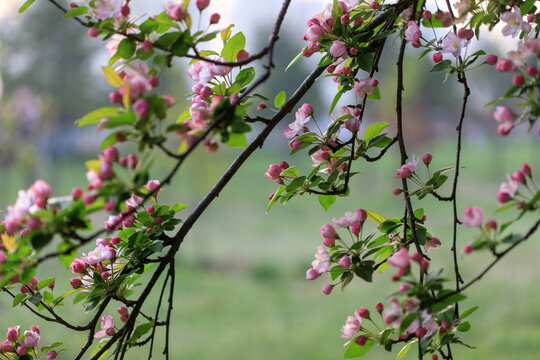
(532, 70)
(328, 231)
(379, 307)
(375, 5)
(75, 283)
(526, 169)
(295, 144)
(416, 257)
(404, 287)
(427, 15)
(344, 262)
(12, 334)
(202, 4)
(491, 59)
(51, 355)
(5, 346)
(361, 340)
(150, 210)
(424, 264)
(327, 289)
(115, 241)
(519, 177)
(518, 80)
(437, 57)
(261, 106)
(21, 350)
(329, 242)
(397, 191)
(426, 158)
(492, 224)
(312, 274)
(421, 332)
(214, 18)
(468, 249)
(363, 312)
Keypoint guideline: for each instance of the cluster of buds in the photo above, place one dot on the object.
(20, 345)
(98, 261)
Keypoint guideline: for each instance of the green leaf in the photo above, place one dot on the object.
(36, 299)
(468, 312)
(78, 11)
(26, 5)
(376, 94)
(374, 130)
(95, 116)
(377, 218)
(126, 233)
(464, 326)
(407, 320)
(365, 61)
(355, 351)
(126, 48)
(179, 206)
(274, 199)
(443, 65)
(110, 140)
(112, 76)
(237, 140)
(335, 101)
(298, 57)
(127, 118)
(452, 299)
(141, 330)
(47, 297)
(279, 100)
(44, 283)
(291, 171)
(327, 201)
(233, 46)
(405, 349)
(527, 6)
(18, 299)
(80, 297)
(296, 183)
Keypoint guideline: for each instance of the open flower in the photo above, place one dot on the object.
(473, 216)
(452, 44)
(514, 23)
(107, 327)
(106, 9)
(352, 325)
(365, 87)
(301, 118)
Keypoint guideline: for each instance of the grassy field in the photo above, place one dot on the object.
(241, 292)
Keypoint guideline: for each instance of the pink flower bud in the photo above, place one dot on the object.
(261, 106)
(379, 307)
(363, 312)
(361, 340)
(105, 275)
(147, 45)
(327, 289)
(518, 80)
(358, 22)
(519, 177)
(109, 205)
(75, 283)
(427, 15)
(328, 231)
(122, 310)
(158, 220)
(416, 257)
(24, 290)
(273, 172)
(12, 334)
(445, 325)
(434, 357)
(312, 274)
(6, 347)
(437, 57)
(465, 34)
(329, 242)
(404, 287)
(132, 161)
(109, 331)
(314, 47)
(141, 107)
(426, 158)
(271, 196)
(345, 19)
(154, 81)
(120, 138)
(76, 193)
(526, 169)
(150, 210)
(202, 4)
(93, 32)
(214, 18)
(307, 109)
(77, 266)
(503, 197)
(21, 350)
(242, 55)
(491, 59)
(295, 144)
(306, 53)
(51, 355)
(504, 65)
(421, 332)
(51, 285)
(468, 249)
(375, 5)
(532, 70)
(111, 154)
(424, 264)
(153, 186)
(115, 241)
(123, 318)
(344, 262)
(397, 191)
(492, 224)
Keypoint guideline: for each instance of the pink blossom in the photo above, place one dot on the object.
(491, 59)
(134, 201)
(504, 114)
(462, 6)
(394, 313)
(99, 254)
(174, 10)
(51, 355)
(312, 274)
(400, 258)
(273, 172)
(327, 289)
(473, 216)
(320, 156)
(301, 118)
(153, 185)
(214, 18)
(365, 87)
(108, 9)
(352, 325)
(322, 260)
(514, 23)
(12, 334)
(6, 346)
(412, 32)
(202, 4)
(114, 222)
(504, 65)
(328, 231)
(77, 266)
(344, 262)
(452, 44)
(432, 243)
(317, 26)
(507, 191)
(31, 338)
(338, 49)
(107, 326)
(406, 170)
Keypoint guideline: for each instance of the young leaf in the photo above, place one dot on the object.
(279, 100)
(78, 11)
(95, 116)
(355, 351)
(26, 5)
(233, 46)
(405, 350)
(327, 201)
(374, 130)
(112, 77)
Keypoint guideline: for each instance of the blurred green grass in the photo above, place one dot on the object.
(241, 292)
